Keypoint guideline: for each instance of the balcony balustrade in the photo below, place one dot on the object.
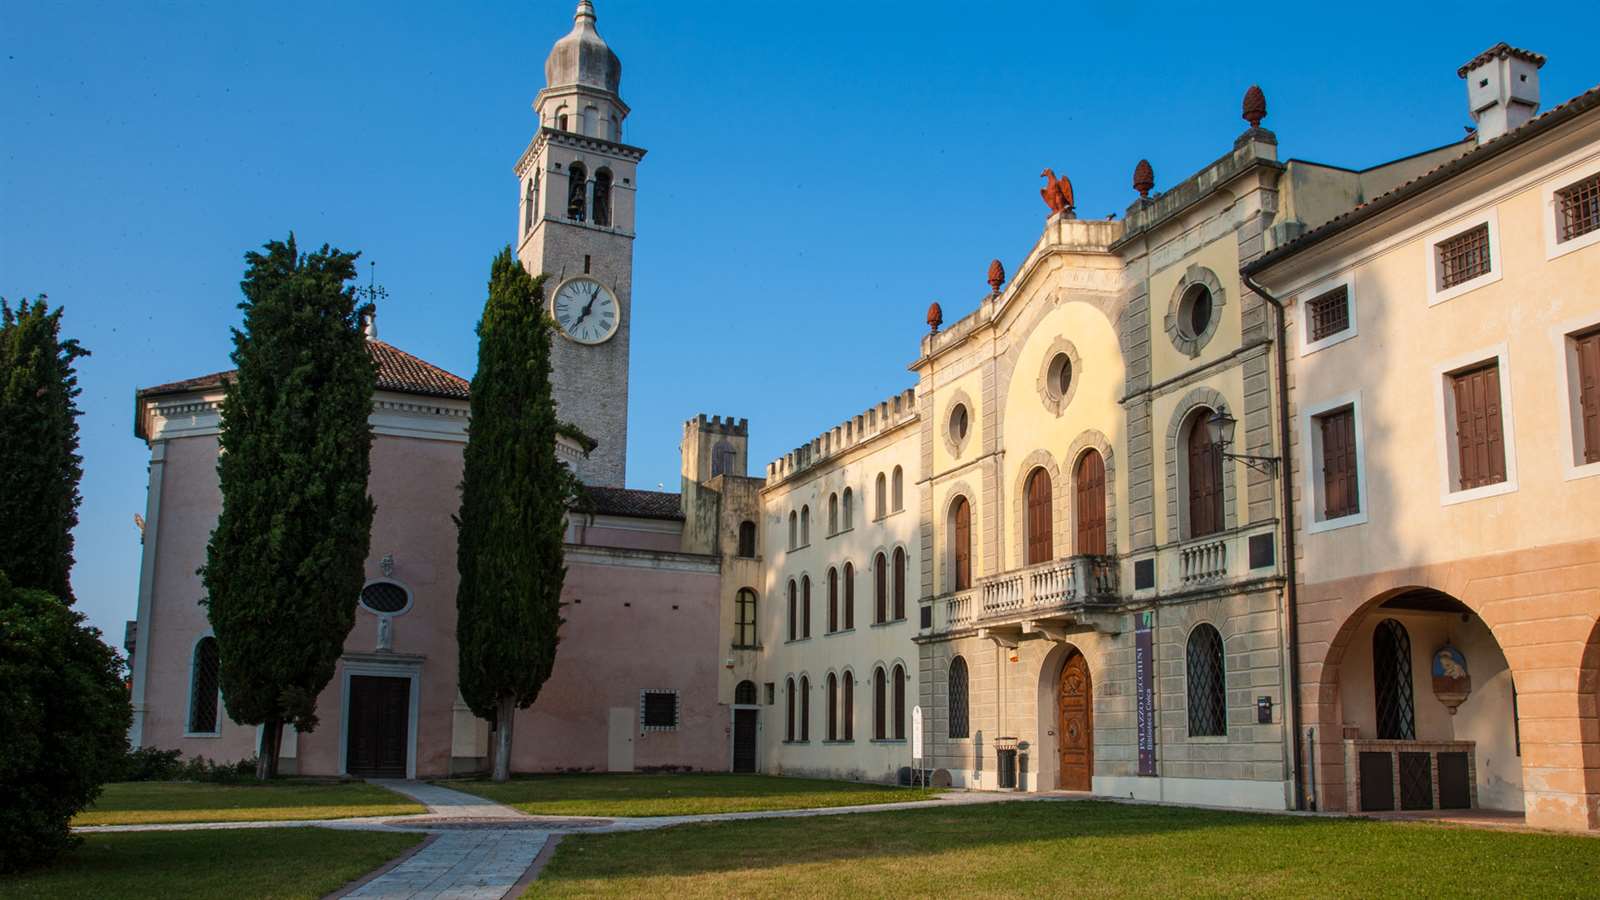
(1062, 583)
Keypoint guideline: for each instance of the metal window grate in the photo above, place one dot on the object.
(1391, 676)
(1329, 313)
(384, 597)
(745, 693)
(1578, 208)
(1208, 701)
(658, 710)
(204, 689)
(958, 698)
(1463, 257)
(1416, 781)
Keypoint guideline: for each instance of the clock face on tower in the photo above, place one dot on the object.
(585, 310)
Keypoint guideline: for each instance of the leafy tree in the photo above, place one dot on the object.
(285, 564)
(64, 715)
(514, 496)
(39, 462)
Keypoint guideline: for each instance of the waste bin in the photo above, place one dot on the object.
(1006, 768)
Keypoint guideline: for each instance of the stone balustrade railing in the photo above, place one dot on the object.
(1203, 561)
(1057, 583)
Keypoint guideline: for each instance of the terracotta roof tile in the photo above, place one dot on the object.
(398, 371)
(607, 501)
(1501, 50)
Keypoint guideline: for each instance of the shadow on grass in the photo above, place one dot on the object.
(639, 794)
(1085, 847)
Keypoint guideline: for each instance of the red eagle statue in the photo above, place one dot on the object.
(1057, 192)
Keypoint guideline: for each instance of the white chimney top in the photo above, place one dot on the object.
(1502, 89)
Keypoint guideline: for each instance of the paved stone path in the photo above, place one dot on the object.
(480, 864)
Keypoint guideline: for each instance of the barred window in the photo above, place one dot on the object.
(1578, 209)
(745, 693)
(658, 710)
(745, 632)
(1391, 682)
(1208, 697)
(385, 598)
(1463, 257)
(205, 681)
(1329, 314)
(958, 698)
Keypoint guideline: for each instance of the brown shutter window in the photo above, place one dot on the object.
(899, 583)
(1039, 547)
(1588, 350)
(1339, 495)
(1090, 499)
(880, 589)
(1205, 480)
(1480, 447)
(963, 544)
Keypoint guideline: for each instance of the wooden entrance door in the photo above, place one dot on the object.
(379, 719)
(1075, 724)
(744, 740)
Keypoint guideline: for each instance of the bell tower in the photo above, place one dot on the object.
(576, 183)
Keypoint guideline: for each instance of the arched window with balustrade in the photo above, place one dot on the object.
(1040, 521)
(1089, 503)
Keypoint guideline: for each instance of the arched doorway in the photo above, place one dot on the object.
(1075, 724)
(746, 714)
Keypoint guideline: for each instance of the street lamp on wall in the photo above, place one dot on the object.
(1220, 427)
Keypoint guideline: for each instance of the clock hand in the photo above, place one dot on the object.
(585, 314)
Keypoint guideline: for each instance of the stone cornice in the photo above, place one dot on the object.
(577, 142)
(654, 560)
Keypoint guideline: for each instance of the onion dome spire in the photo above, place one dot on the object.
(1144, 178)
(582, 57)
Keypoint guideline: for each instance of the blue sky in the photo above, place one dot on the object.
(818, 172)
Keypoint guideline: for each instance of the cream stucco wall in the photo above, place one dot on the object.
(860, 649)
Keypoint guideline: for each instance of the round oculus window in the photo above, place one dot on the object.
(958, 423)
(1060, 377)
(384, 597)
(1195, 311)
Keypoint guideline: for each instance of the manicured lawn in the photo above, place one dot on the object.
(175, 865)
(677, 795)
(1070, 849)
(151, 802)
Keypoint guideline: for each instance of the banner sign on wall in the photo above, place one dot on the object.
(1144, 687)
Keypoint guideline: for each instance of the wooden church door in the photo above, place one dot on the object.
(1075, 725)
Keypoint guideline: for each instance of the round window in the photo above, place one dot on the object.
(385, 598)
(958, 423)
(1060, 375)
(1195, 313)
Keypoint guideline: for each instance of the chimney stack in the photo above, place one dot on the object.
(1502, 89)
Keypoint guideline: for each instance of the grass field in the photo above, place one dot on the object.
(152, 802)
(676, 795)
(1071, 849)
(177, 865)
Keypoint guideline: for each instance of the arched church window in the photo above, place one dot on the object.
(899, 703)
(204, 687)
(849, 596)
(577, 190)
(794, 529)
(805, 526)
(899, 583)
(1391, 682)
(848, 501)
(899, 489)
(794, 610)
(833, 513)
(561, 118)
(881, 502)
(602, 197)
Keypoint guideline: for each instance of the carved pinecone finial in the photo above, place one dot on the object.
(1144, 178)
(997, 275)
(1255, 106)
(935, 317)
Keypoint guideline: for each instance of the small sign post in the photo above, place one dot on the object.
(916, 744)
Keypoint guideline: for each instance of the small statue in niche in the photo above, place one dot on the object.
(1451, 682)
(386, 632)
(1057, 193)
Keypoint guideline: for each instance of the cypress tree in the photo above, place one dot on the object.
(284, 567)
(514, 496)
(39, 462)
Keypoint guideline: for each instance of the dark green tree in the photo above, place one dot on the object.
(285, 564)
(39, 462)
(514, 497)
(64, 715)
